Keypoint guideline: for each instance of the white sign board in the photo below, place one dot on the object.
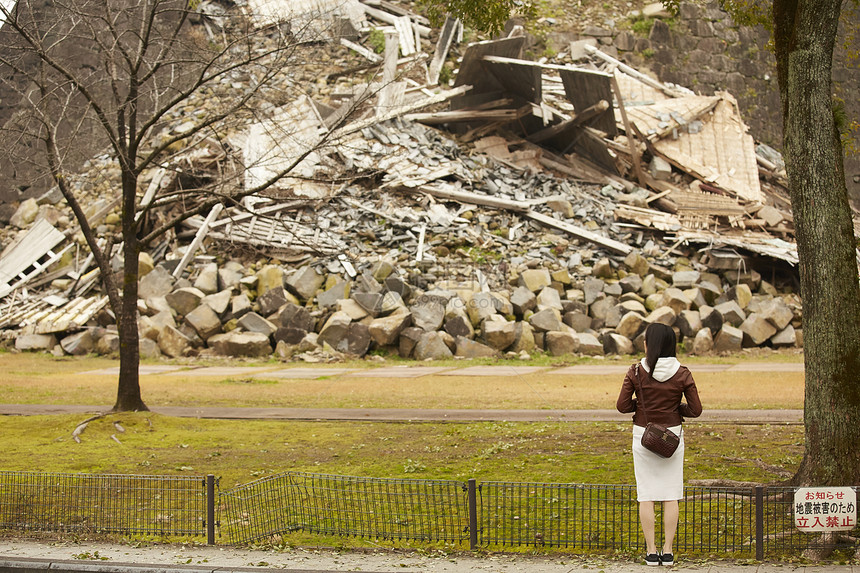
(825, 508)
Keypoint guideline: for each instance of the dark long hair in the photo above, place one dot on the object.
(660, 343)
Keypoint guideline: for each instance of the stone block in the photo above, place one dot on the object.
(589, 344)
(562, 343)
(703, 342)
(172, 342)
(631, 324)
(731, 313)
(675, 299)
(549, 298)
(546, 320)
(524, 338)
(614, 343)
(689, 322)
(305, 282)
(662, 315)
(499, 334)
(523, 299)
(157, 282)
(184, 300)
(385, 331)
(253, 322)
(535, 279)
(207, 279)
(37, 342)
(728, 339)
(431, 346)
(467, 348)
(204, 321)
(757, 330)
(269, 277)
(238, 343)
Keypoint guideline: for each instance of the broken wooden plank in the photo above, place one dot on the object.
(631, 138)
(30, 256)
(473, 72)
(366, 53)
(580, 233)
(584, 89)
(389, 18)
(443, 46)
(633, 72)
(198, 240)
(560, 128)
(440, 117)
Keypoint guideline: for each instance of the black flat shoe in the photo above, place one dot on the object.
(652, 559)
(667, 559)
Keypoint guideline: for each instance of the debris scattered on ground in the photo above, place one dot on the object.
(527, 206)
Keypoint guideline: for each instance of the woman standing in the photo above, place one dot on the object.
(659, 382)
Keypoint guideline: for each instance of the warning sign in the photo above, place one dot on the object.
(825, 508)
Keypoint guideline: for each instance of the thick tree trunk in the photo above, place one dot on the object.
(804, 36)
(128, 389)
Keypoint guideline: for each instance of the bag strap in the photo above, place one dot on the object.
(641, 393)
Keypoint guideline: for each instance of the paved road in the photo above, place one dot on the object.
(414, 415)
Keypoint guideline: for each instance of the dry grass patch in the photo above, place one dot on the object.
(42, 379)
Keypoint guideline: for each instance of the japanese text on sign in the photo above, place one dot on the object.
(825, 508)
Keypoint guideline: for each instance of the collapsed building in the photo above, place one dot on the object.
(523, 206)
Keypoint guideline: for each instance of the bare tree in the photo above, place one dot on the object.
(123, 72)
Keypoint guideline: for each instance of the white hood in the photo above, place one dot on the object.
(664, 369)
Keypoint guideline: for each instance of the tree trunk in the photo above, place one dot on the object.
(804, 36)
(128, 389)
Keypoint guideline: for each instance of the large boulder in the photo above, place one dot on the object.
(534, 279)
(271, 300)
(499, 334)
(204, 321)
(728, 339)
(238, 343)
(631, 325)
(269, 277)
(703, 342)
(431, 346)
(675, 299)
(295, 316)
(207, 279)
(757, 330)
(157, 282)
(35, 342)
(219, 301)
(778, 313)
(172, 342)
(561, 343)
(589, 344)
(614, 343)
(338, 291)
(386, 330)
(184, 300)
(459, 325)
(689, 323)
(523, 299)
(731, 312)
(467, 348)
(305, 282)
(549, 298)
(524, 338)
(253, 322)
(481, 306)
(546, 320)
(428, 314)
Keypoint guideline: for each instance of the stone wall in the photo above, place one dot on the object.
(701, 48)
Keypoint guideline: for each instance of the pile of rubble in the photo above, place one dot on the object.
(551, 207)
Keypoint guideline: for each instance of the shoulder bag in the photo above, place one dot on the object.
(657, 437)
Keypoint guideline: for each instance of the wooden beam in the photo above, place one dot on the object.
(558, 128)
(631, 138)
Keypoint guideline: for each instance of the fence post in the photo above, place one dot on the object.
(473, 514)
(210, 509)
(759, 523)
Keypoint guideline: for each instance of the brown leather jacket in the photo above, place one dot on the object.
(663, 399)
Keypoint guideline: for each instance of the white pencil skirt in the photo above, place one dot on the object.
(658, 478)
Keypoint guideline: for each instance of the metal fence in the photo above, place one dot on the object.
(741, 522)
(127, 504)
(420, 510)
